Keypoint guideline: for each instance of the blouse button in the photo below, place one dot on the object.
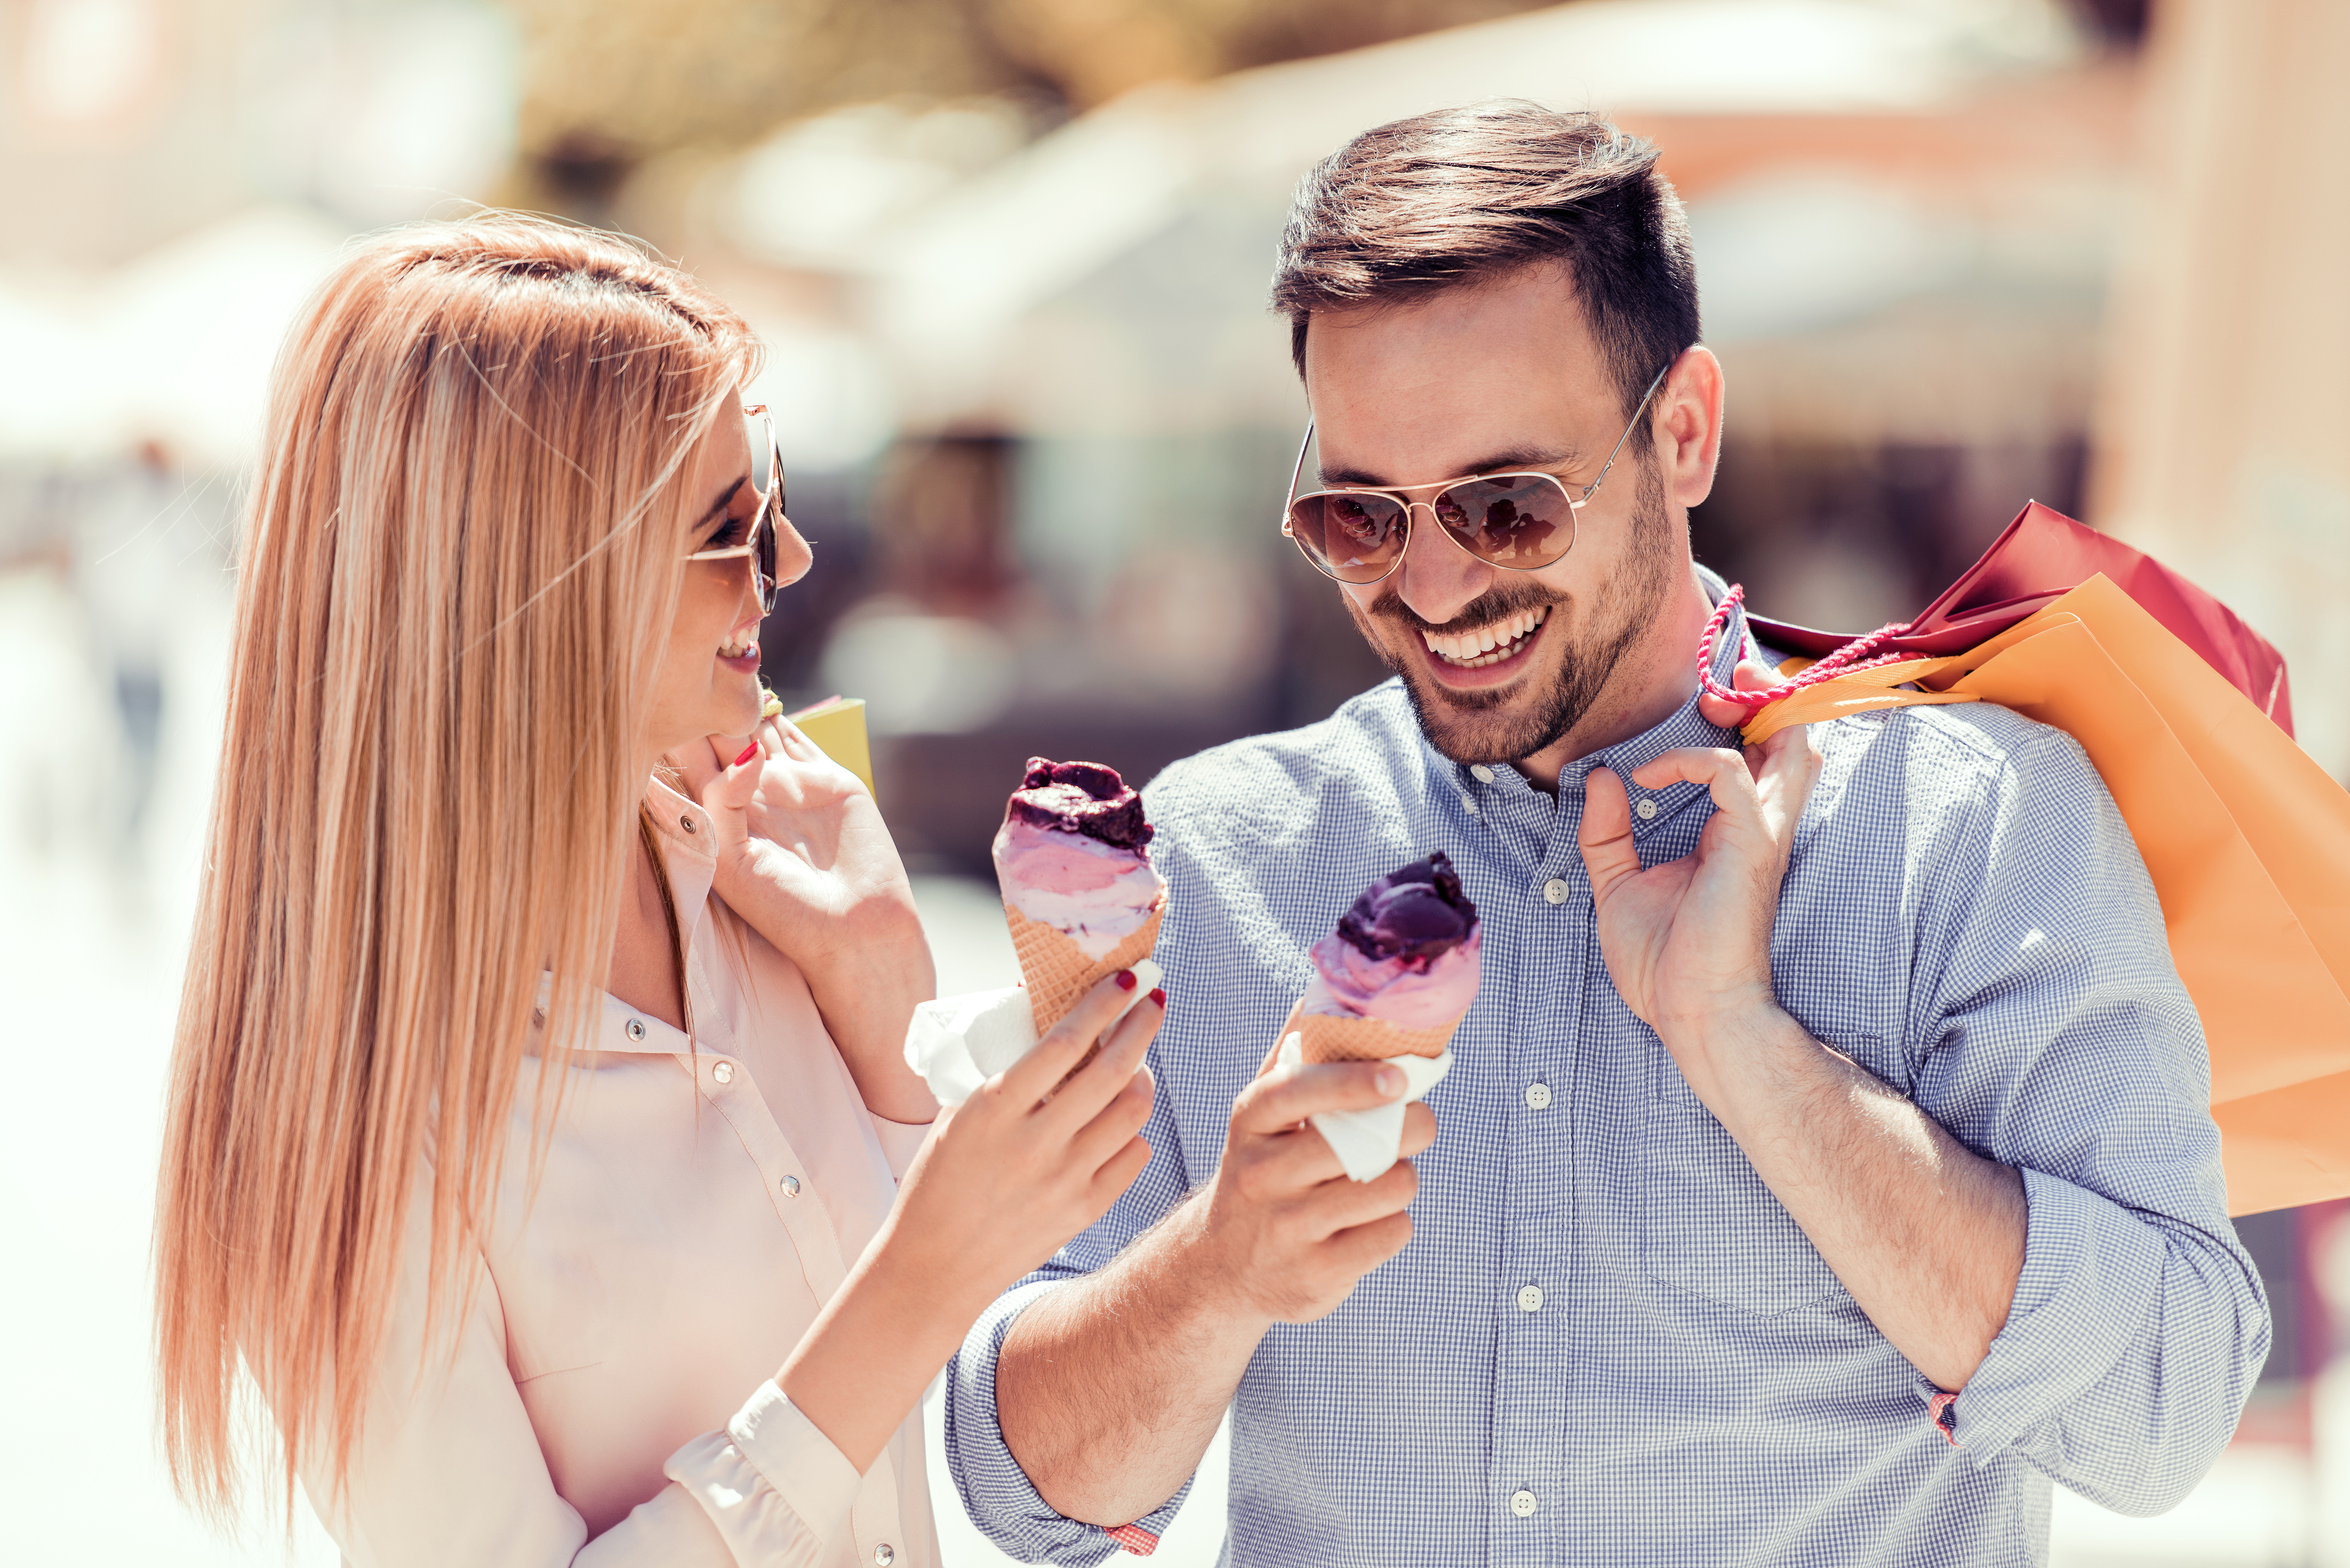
(635, 1029)
(885, 1554)
(687, 823)
(791, 1186)
(723, 1072)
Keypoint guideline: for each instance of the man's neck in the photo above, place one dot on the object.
(1657, 678)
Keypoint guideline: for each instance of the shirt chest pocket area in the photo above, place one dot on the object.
(1708, 1226)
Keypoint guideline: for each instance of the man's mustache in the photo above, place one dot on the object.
(1494, 605)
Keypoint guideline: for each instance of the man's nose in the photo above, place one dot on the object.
(1437, 578)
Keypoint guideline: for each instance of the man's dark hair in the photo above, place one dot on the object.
(1462, 195)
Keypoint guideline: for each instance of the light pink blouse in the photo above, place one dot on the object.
(612, 1399)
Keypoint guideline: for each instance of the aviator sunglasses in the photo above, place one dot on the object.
(767, 483)
(1519, 522)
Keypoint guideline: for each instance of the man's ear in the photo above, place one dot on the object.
(1686, 425)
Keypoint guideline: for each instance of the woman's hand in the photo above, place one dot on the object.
(803, 856)
(1024, 1164)
(1039, 1153)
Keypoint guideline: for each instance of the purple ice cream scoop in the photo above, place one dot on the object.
(1080, 797)
(1407, 952)
(1416, 913)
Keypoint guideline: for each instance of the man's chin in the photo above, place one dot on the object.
(1481, 724)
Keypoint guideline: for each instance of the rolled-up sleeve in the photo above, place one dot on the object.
(995, 1492)
(2058, 1039)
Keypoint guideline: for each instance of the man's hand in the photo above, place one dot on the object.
(1687, 943)
(1109, 1387)
(804, 856)
(1286, 1233)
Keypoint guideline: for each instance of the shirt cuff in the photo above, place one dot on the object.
(769, 1479)
(900, 1142)
(996, 1492)
(2091, 1269)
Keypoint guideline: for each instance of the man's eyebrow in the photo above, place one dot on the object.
(726, 500)
(1509, 459)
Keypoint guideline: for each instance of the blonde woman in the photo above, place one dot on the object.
(539, 1144)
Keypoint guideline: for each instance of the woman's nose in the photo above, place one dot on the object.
(793, 557)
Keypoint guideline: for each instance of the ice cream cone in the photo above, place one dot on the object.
(1057, 972)
(1325, 1037)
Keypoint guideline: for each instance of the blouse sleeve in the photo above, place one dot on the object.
(448, 1471)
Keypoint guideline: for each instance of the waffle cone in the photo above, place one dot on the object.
(1326, 1038)
(1057, 972)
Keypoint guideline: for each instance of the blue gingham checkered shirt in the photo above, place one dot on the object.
(1965, 915)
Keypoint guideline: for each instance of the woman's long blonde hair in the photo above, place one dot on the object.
(459, 559)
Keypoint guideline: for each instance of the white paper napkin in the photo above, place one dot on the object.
(1368, 1142)
(958, 1042)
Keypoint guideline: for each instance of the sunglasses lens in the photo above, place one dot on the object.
(1517, 520)
(1354, 538)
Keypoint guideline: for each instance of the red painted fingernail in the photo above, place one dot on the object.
(748, 753)
(1158, 996)
(1126, 981)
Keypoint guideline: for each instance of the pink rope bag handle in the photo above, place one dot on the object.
(1852, 656)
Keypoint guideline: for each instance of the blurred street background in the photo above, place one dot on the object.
(1010, 259)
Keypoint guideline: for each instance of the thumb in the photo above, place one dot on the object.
(1752, 675)
(1606, 836)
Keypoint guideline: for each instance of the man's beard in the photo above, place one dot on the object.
(1500, 725)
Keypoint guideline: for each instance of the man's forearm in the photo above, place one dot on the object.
(1110, 1388)
(1925, 1234)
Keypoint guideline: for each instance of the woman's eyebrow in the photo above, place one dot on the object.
(726, 500)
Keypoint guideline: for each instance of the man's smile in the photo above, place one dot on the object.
(1488, 655)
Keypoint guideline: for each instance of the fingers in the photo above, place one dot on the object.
(1606, 834)
(1419, 1129)
(1082, 1096)
(1034, 1076)
(1100, 1140)
(1723, 772)
(1751, 675)
(728, 787)
(1287, 1096)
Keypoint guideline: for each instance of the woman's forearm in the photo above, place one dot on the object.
(861, 1368)
(866, 988)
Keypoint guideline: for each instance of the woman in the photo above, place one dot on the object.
(538, 1104)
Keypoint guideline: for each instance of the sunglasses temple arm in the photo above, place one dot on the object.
(1296, 473)
(1636, 411)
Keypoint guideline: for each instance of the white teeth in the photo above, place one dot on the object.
(1489, 644)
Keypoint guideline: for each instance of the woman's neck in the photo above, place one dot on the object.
(644, 972)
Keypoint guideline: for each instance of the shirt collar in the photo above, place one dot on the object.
(1683, 727)
(685, 835)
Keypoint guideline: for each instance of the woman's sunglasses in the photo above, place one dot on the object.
(767, 482)
(1519, 522)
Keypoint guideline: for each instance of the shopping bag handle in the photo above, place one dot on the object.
(1855, 679)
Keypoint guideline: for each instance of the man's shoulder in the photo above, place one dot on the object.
(1366, 754)
(1954, 766)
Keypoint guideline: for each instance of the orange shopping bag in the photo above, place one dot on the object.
(2247, 839)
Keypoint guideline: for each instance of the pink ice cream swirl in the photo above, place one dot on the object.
(1407, 952)
(1073, 854)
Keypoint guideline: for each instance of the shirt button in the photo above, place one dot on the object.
(687, 823)
(1530, 1298)
(1480, 772)
(723, 1072)
(791, 1186)
(635, 1029)
(885, 1554)
(1523, 1504)
(1538, 1097)
(1555, 890)
(1646, 808)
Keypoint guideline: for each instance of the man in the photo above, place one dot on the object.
(1827, 1163)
